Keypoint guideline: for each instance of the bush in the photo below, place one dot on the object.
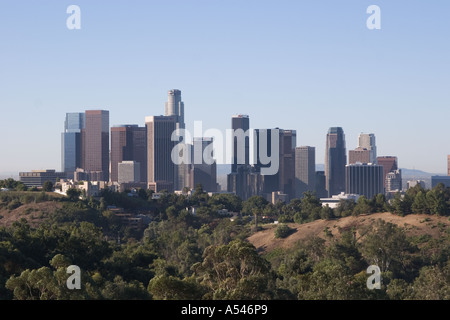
(283, 231)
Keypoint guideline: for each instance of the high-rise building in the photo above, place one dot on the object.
(359, 155)
(160, 167)
(95, 144)
(305, 170)
(240, 124)
(448, 165)
(335, 161)
(364, 179)
(204, 173)
(320, 187)
(279, 157)
(174, 107)
(389, 164)
(367, 141)
(128, 172)
(393, 181)
(288, 142)
(71, 143)
(128, 143)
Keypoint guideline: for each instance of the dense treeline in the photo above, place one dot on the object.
(182, 254)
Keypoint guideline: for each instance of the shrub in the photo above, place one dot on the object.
(283, 231)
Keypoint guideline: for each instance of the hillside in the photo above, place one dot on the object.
(414, 225)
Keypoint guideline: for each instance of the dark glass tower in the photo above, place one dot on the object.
(128, 143)
(241, 147)
(335, 161)
(160, 167)
(71, 143)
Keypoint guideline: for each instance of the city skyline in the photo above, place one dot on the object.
(302, 66)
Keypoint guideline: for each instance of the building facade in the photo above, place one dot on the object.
(95, 144)
(71, 143)
(335, 161)
(305, 170)
(128, 172)
(364, 179)
(37, 178)
(389, 164)
(160, 167)
(367, 141)
(359, 155)
(128, 143)
(203, 171)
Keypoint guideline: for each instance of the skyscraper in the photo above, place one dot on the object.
(367, 141)
(364, 179)
(204, 173)
(335, 161)
(160, 167)
(95, 144)
(448, 165)
(389, 164)
(128, 143)
(174, 107)
(288, 142)
(305, 170)
(71, 143)
(240, 125)
(361, 155)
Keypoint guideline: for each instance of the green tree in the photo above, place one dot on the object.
(433, 283)
(362, 206)
(164, 287)
(326, 213)
(437, 203)
(73, 194)
(387, 247)
(47, 186)
(234, 271)
(420, 204)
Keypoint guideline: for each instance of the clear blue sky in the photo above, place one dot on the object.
(303, 65)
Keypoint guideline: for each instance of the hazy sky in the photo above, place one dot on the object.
(303, 65)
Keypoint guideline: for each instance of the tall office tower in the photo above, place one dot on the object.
(237, 180)
(389, 164)
(367, 141)
(174, 107)
(95, 145)
(288, 142)
(448, 165)
(160, 167)
(393, 182)
(128, 172)
(361, 155)
(240, 125)
(203, 171)
(335, 161)
(320, 187)
(364, 179)
(128, 143)
(71, 143)
(305, 170)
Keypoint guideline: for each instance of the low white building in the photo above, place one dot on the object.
(333, 202)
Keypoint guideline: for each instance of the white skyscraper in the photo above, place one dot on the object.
(175, 107)
(367, 141)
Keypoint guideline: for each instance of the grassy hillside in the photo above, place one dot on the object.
(415, 225)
